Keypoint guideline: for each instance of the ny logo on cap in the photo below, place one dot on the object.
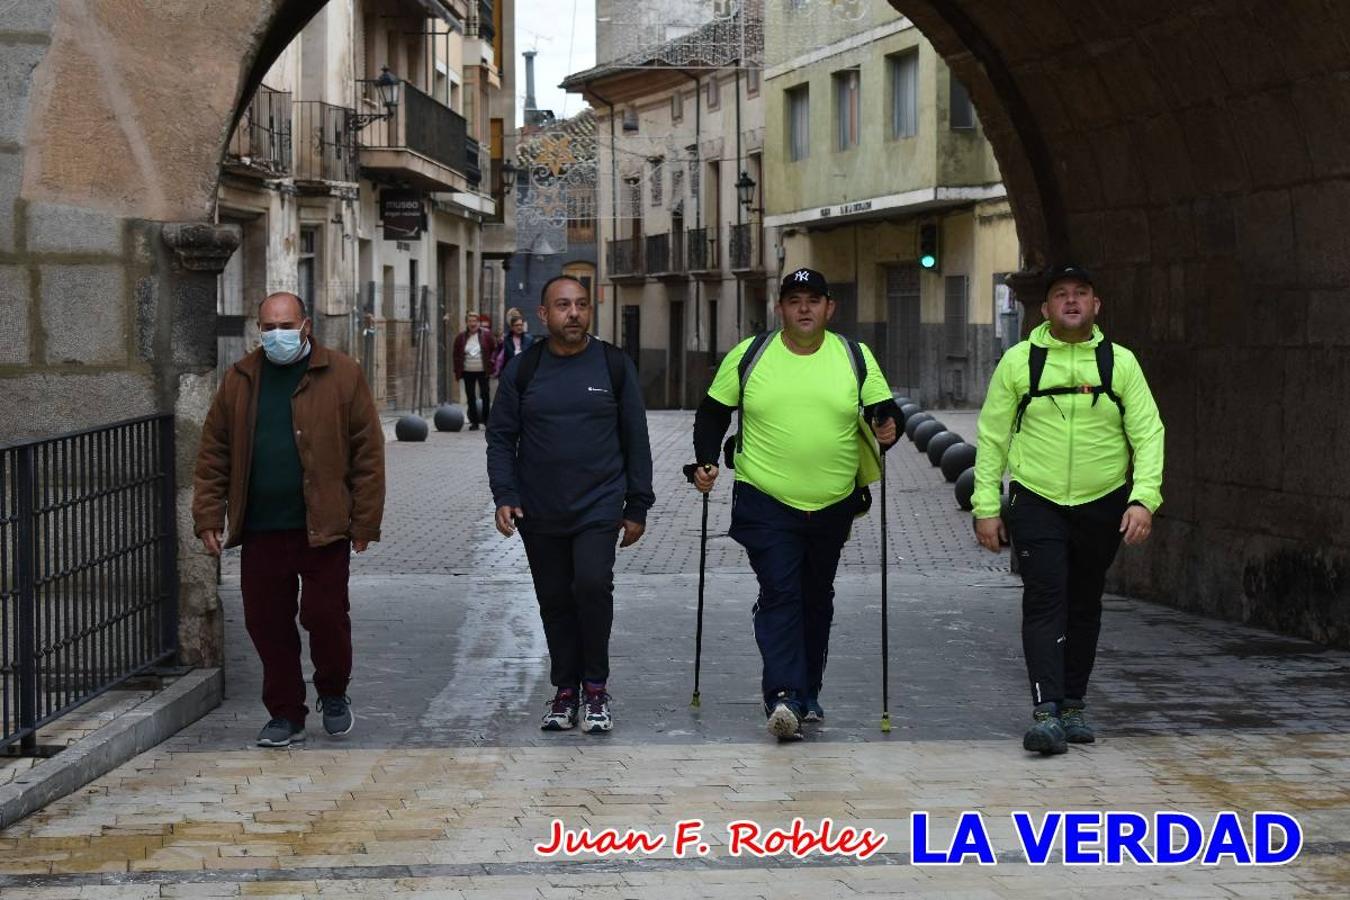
(803, 275)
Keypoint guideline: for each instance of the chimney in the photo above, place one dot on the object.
(529, 83)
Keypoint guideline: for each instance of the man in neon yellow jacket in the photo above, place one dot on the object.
(1069, 415)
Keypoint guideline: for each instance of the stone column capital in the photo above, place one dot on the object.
(202, 246)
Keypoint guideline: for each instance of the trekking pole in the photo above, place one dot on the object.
(702, 568)
(885, 622)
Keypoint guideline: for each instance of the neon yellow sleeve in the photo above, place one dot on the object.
(875, 387)
(726, 386)
(995, 433)
(1145, 432)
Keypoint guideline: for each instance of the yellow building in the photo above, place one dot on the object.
(872, 148)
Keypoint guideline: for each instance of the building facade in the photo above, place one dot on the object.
(365, 175)
(683, 262)
(874, 160)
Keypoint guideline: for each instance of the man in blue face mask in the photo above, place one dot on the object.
(292, 455)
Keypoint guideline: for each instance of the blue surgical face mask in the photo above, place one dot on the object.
(283, 346)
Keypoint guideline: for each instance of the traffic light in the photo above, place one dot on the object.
(928, 246)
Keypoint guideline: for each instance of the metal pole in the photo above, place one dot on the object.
(27, 613)
(885, 621)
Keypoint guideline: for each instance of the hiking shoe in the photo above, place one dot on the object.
(1076, 728)
(812, 711)
(785, 721)
(337, 714)
(595, 710)
(562, 711)
(281, 732)
(1047, 735)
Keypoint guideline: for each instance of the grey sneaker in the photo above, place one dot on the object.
(1076, 728)
(1046, 736)
(595, 711)
(281, 732)
(785, 721)
(337, 714)
(812, 711)
(562, 711)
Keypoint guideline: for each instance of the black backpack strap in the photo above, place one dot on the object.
(859, 365)
(1036, 364)
(529, 362)
(616, 360)
(758, 345)
(1106, 365)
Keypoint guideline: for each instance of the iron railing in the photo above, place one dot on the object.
(702, 248)
(419, 123)
(88, 568)
(745, 248)
(473, 170)
(625, 257)
(481, 21)
(262, 139)
(325, 146)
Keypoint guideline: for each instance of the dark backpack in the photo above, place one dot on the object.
(758, 345)
(1106, 363)
(531, 355)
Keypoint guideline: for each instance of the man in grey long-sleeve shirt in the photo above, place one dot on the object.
(570, 464)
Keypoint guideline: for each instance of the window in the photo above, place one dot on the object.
(799, 122)
(676, 185)
(714, 92)
(656, 180)
(904, 68)
(752, 77)
(963, 111)
(630, 119)
(846, 108)
(306, 265)
(677, 106)
(955, 319)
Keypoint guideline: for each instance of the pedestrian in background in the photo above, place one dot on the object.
(1070, 415)
(570, 466)
(472, 360)
(515, 340)
(292, 460)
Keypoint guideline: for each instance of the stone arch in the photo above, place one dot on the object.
(1193, 156)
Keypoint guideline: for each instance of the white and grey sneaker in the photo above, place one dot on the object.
(562, 711)
(595, 711)
(281, 732)
(785, 723)
(337, 714)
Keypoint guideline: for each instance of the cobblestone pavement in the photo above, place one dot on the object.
(446, 783)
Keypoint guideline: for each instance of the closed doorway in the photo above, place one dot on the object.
(902, 328)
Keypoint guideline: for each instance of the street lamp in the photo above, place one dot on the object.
(388, 85)
(509, 173)
(745, 190)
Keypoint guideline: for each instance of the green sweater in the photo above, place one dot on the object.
(276, 483)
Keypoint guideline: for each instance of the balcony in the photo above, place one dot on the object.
(424, 142)
(625, 260)
(472, 168)
(747, 259)
(261, 143)
(325, 147)
(704, 259)
(665, 256)
(481, 21)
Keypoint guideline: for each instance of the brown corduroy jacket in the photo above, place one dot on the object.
(337, 432)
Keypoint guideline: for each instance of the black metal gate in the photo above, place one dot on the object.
(88, 568)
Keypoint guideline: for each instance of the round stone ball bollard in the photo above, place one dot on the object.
(914, 421)
(908, 411)
(965, 489)
(956, 459)
(902, 402)
(449, 417)
(938, 444)
(411, 428)
(925, 433)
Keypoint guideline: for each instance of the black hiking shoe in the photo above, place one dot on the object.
(1047, 735)
(1076, 728)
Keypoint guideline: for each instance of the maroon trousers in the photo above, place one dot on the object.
(279, 568)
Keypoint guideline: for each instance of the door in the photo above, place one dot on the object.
(902, 328)
(676, 355)
(632, 332)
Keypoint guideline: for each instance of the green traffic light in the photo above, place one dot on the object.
(928, 261)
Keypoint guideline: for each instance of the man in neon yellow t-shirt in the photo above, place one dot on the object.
(796, 488)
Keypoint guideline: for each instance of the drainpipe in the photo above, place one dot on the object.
(739, 211)
(698, 219)
(614, 214)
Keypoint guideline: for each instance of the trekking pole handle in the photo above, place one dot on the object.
(690, 469)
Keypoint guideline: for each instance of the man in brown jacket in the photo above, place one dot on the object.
(292, 453)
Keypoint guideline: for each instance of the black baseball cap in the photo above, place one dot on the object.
(1068, 270)
(808, 279)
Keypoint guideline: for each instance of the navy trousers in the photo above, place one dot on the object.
(795, 555)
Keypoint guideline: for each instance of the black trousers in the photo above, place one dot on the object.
(1064, 552)
(795, 556)
(478, 414)
(574, 583)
